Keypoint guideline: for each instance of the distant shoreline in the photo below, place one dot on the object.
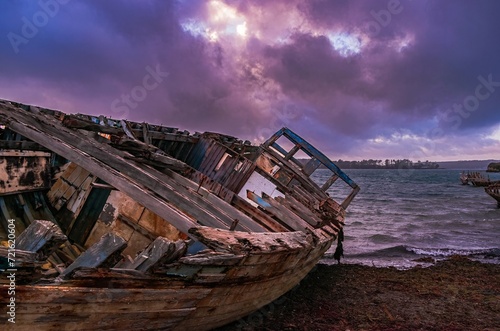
(469, 165)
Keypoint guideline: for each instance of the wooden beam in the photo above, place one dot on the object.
(127, 129)
(216, 202)
(5, 213)
(164, 186)
(145, 134)
(292, 152)
(160, 251)
(104, 253)
(76, 122)
(329, 182)
(284, 215)
(21, 145)
(259, 216)
(33, 128)
(311, 166)
(41, 237)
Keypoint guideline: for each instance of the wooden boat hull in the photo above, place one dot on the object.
(494, 192)
(155, 230)
(209, 300)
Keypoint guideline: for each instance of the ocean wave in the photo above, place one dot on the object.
(446, 252)
(394, 251)
(409, 252)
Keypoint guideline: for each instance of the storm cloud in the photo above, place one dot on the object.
(360, 79)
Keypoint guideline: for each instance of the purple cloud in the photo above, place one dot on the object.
(361, 79)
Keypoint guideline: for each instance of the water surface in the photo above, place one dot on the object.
(403, 215)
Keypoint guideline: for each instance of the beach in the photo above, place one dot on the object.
(454, 294)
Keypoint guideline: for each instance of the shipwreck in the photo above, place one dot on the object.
(494, 192)
(113, 224)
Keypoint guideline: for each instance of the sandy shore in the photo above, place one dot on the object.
(456, 294)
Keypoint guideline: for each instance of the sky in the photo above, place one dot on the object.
(373, 79)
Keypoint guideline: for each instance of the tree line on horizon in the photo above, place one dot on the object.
(386, 164)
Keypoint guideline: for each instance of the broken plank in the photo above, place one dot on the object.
(42, 237)
(200, 210)
(105, 253)
(161, 251)
(291, 217)
(259, 216)
(33, 127)
(300, 210)
(283, 216)
(145, 134)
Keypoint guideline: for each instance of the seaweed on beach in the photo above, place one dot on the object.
(455, 294)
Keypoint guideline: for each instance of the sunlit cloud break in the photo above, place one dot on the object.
(361, 79)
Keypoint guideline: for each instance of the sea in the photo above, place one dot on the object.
(407, 218)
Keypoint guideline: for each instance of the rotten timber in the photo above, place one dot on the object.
(494, 192)
(105, 253)
(41, 237)
(244, 249)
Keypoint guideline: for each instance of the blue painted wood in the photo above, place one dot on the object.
(311, 151)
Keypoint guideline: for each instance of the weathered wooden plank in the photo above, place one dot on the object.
(102, 186)
(299, 175)
(225, 170)
(285, 216)
(136, 227)
(42, 237)
(101, 320)
(311, 166)
(289, 216)
(259, 216)
(235, 184)
(127, 129)
(349, 198)
(214, 201)
(24, 153)
(68, 194)
(26, 209)
(28, 128)
(145, 134)
(72, 121)
(22, 259)
(292, 152)
(307, 195)
(160, 251)
(212, 315)
(72, 177)
(21, 145)
(301, 211)
(23, 171)
(329, 182)
(76, 202)
(282, 151)
(211, 157)
(238, 242)
(312, 152)
(104, 253)
(199, 209)
(152, 301)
